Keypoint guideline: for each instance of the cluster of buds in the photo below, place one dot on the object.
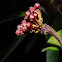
(32, 21)
(23, 27)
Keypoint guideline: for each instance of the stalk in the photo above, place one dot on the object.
(46, 29)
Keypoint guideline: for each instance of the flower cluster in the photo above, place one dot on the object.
(32, 21)
(23, 27)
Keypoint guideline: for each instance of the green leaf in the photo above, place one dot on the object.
(50, 48)
(52, 53)
(53, 40)
(52, 56)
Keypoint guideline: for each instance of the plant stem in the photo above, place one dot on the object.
(56, 35)
(46, 29)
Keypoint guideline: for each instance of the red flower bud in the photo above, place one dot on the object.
(27, 13)
(29, 24)
(37, 5)
(31, 9)
(32, 17)
(24, 28)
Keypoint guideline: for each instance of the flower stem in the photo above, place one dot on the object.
(46, 29)
(56, 35)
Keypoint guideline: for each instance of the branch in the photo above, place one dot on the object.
(46, 29)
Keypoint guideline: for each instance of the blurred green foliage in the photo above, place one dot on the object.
(50, 48)
(52, 56)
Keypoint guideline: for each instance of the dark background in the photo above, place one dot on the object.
(7, 33)
(8, 28)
